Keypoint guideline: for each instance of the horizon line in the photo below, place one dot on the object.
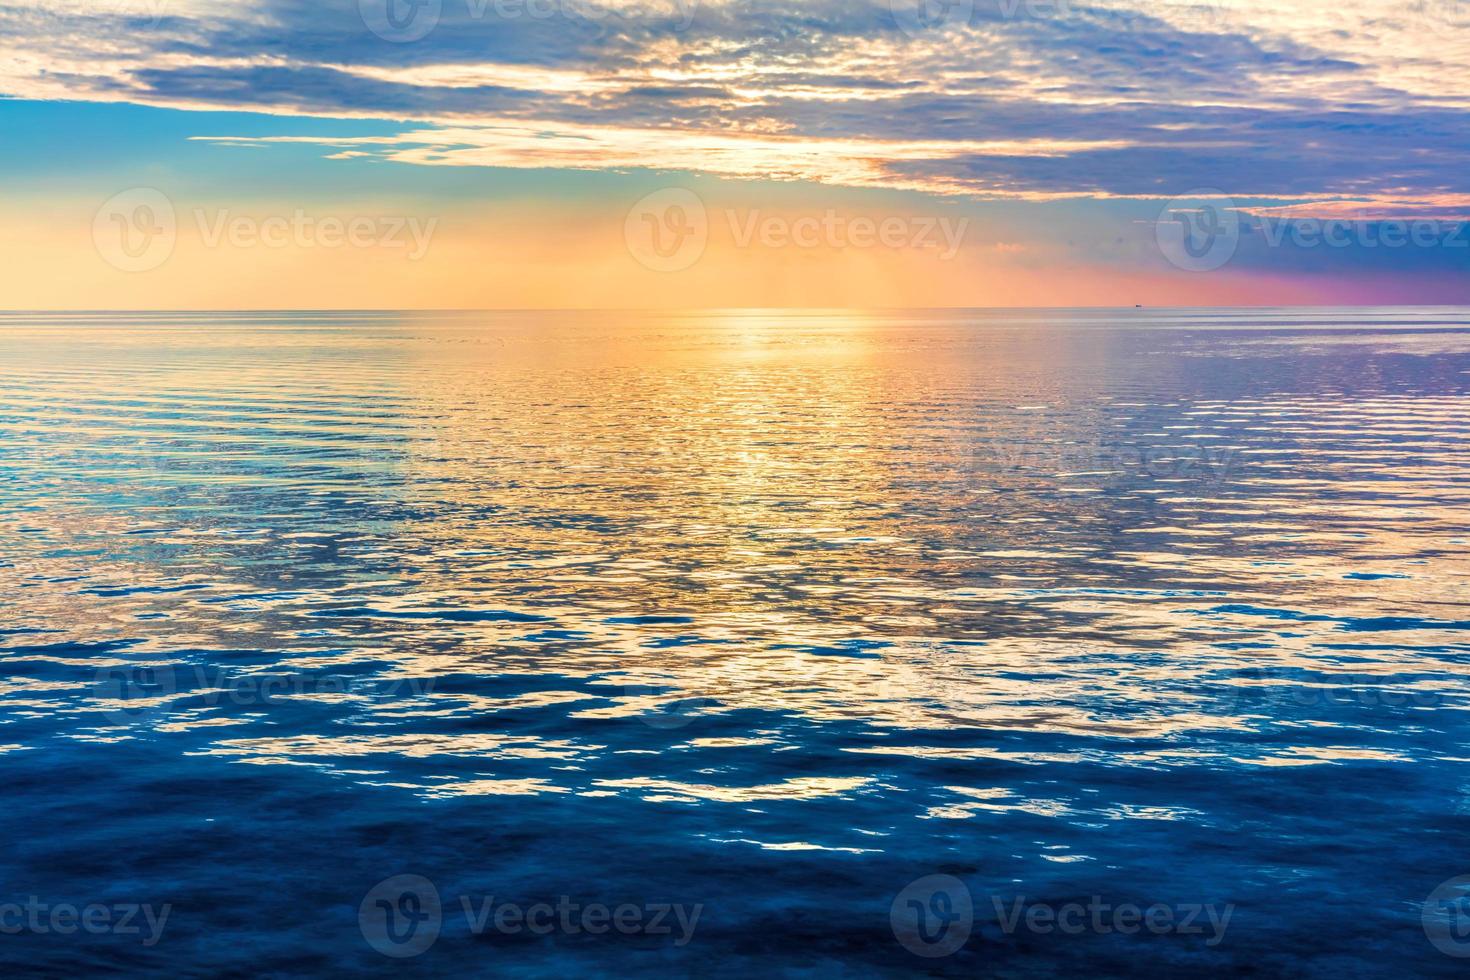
(80, 311)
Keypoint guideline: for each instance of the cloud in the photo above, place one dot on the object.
(1365, 102)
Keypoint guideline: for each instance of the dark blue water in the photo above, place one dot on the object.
(786, 644)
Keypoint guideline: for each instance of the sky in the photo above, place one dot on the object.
(281, 154)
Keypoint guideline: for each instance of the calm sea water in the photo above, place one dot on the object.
(745, 644)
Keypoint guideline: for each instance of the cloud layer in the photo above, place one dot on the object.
(1360, 105)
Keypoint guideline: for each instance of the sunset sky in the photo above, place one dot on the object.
(667, 153)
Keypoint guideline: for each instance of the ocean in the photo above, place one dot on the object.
(793, 643)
